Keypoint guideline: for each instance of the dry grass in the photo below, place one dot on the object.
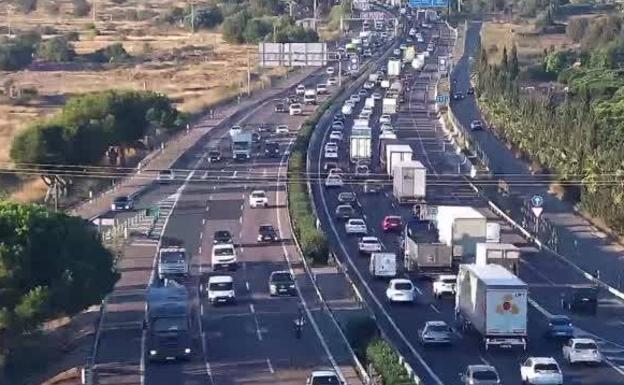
(496, 35)
(196, 71)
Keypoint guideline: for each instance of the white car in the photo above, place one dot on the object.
(367, 110)
(387, 134)
(337, 125)
(402, 46)
(330, 70)
(281, 129)
(369, 85)
(386, 127)
(220, 288)
(258, 198)
(385, 118)
(347, 109)
(355, 98)
(369, 245)
(444, 284)
(400, 290)
(430, 48)
(335, 135)
(323, 377)
(581, 350)
(364, 115)
(332, 81)
(476, 125)
(321, 88)
(377, 96)
(223, 256)
(300, 90)
(356, 226)
(333, 181)
(420, 39)
(235, 130)
(295, 109)
(396, 52)
(541, 371)
(362, 170)
(331, 153)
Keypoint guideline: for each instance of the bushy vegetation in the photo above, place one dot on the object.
(526, 8)
(385, 360)
(87, 125)
(578, 135)
(51, 265)
(17, 53)
(57, 49)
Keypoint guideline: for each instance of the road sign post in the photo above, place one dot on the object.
(536, 202)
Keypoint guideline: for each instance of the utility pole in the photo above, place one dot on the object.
(339, 69)
(9, 13)
(93, 10)
(274, 32)
(193, 17)
(248, 74)
(290, 8)
(314, 16)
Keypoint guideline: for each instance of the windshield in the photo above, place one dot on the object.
(586, 346)
(403, 286)
(169, 324)
(221, 286)
(240, 145)
(267, 229)
(214, 153)
(560, 321)
(258, 195)
(121, 200)
(281, 277)
(546, 368)
(438, 328)
(325, 380)
(165, 172)
(357, 223)
(222, 235)
(172, 257)
(345, 209)
(485, 375)
(448, 280)
(224, 251)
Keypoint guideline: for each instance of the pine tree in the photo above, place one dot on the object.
(505, 60)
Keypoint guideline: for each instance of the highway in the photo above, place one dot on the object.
(545, 274)
(253, 339)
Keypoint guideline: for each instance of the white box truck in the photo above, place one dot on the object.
(373, 77)
(409, 181)
(461, 227)
(394, 68)
(361, 123)
(385, 83)
(369, 102)
(360, 146)
(409, 54)
(504, 254)
(383, 265)
(389, 106)
(492, 301)
(396, 153)
(419, 62)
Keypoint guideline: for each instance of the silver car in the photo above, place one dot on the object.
(435, 332)
(480, 375)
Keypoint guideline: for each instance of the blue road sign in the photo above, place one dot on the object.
(429, 3)
(537, 201)
(442, 99)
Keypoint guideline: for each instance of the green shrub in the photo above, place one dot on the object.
(360, 332)
(385, 360)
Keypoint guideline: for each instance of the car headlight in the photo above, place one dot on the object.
(152, 352)
(292, 286)
(259, 237)
(127, 207)
(187, 351)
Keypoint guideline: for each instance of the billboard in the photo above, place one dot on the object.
(373, 16)
(429, 3)
(362, 5)
(292, 54)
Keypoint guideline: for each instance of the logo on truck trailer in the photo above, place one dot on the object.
(507, 306)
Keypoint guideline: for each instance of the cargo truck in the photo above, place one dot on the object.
(394, 68)
(241, 145)
(389, 106)
(173, 262)
(493, 302)
(167, 323)
(409, 54)
(374, 77)
(360, 144)
(395, 154)
(396, 86)
(423, 254)
(369, 102)
(461, 227)
(409, 181)
(503, 254)
(419, 62)
(383, 265)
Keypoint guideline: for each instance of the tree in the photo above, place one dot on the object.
(114, 53)
(504, 60)
(81, 8)
(576, 28)
(42, 143)
(208, 17)
(25, 6)
(234, 27)
(256, 30)
(260, 8)
(514, 66)
(51, 265)
(58, 50)
(16, 53)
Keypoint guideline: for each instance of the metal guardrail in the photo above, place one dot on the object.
(123, 229)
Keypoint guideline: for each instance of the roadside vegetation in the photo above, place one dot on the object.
(574, 129)
(51, 265)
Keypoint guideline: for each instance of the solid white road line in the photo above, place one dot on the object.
(268, 361)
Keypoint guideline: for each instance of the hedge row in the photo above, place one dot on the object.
(385, 360)
(312, 240)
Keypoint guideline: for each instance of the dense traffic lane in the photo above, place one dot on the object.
(468, 349)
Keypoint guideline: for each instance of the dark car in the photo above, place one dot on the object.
(476, 125)
(581, 299)
(222, 236)
(293, 99)
(264, 127)
(560, 326)
(344, 212)
(122, 203)
(271, 149)
(256, 137)
(267, 233)
(214, 156)
(281, 283)
(328, 166)
(470, 91)
(339, 117)
(458, 96)
(280, 107)
(346, 197)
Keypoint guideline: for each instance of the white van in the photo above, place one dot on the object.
(309, 97)
(383, 265)
(223, 256)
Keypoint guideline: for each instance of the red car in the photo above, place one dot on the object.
(391, 223)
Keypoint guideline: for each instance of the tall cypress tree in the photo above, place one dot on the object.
(514, 68)
(505, 60)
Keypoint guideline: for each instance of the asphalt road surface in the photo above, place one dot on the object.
(546, 276)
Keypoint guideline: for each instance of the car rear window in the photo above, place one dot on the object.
(218, 286)
(485, 375)
(325, 380)
(403, 286)
(546, 368)
(585, 346)
(281, 277)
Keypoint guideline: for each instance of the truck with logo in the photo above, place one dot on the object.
(492, 301)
